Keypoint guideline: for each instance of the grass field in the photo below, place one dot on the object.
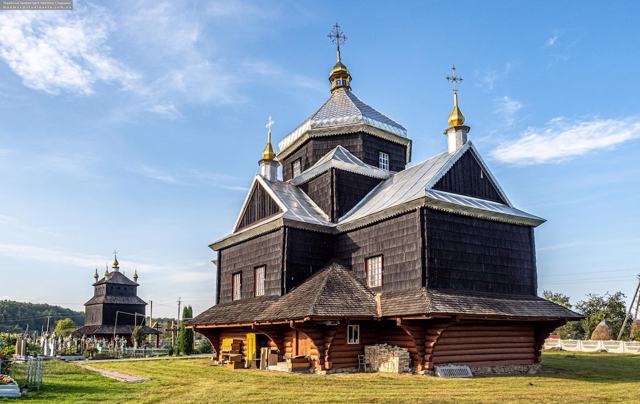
(567, 378)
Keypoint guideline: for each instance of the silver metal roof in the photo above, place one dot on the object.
(418, 181)
(340, 158)
(343, 108)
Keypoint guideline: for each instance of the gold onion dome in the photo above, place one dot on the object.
(455, 117)
(95, 275)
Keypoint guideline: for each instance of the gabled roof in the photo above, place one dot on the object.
(417, 182)
(333, 292)
(424, 301)
(116, 277)
(293, 202)
(342, 159)
(344, 109)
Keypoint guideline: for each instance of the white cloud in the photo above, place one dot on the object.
(191, 177)
(168, 111)
(507, 107)
(551, 41)
(562, 139)
(61, 51)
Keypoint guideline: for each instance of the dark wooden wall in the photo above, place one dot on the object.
(350, 188)
(260, 206)
(472, 254)
(337, 191)
(263, 250)
(484, 344)
(306, 253)
(397, 239)
(364, 146)
(109, 313)
(320, 190)
(93, 314)
(466, 177)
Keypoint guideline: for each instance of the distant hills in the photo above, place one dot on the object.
(17, 316)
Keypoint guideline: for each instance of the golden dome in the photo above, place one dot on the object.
(268, 153)
(135, 275)
(455, 117)
(95, 275)
(340, 77)
(115, 264)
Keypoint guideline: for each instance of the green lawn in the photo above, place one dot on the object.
(567, 378)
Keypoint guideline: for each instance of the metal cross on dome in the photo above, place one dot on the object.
(337, 37)
(454, 78)
(270, 123)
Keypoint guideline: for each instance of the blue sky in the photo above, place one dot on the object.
(137, 125)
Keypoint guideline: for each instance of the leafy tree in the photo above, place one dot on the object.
(17, 316)
(185, 336)
(137, 336)
(65, 327)
(204, 346)
(571, 330)
(608, 307)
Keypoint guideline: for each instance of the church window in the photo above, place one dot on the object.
(383, 160)
(236, 286)
(297, 167)
(353, 334)
(373, 269)
(258, 277)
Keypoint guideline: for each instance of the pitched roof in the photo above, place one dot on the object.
(293, 202)
(116, 277)
(342, 159)
(434, 301)
(343, 108)
(108, 330)
(108, 299)
(333, 292)
(234, 312)
(417, 182)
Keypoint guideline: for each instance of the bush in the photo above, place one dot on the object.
(65, 327)
(204, 346)
(138, 336)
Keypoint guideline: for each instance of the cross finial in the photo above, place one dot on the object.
(454, 79)
(269, 124)
(337, 37)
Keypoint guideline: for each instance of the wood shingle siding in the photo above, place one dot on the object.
(349, 189)
(320, 190)
(465, 253)
(397, 239)
(263, 250)
(306, 253)
(260, 207)
(466, 177)
(364, 146)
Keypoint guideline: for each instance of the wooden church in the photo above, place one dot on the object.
(355, 247)
(115, 308)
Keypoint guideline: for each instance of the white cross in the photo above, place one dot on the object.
(270, 123)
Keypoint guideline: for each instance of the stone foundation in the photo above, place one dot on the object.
(507, 370)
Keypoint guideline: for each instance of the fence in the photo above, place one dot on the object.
(575, 345)
(142, 352)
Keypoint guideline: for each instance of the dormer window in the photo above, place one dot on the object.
(383, 160)
(296, 167)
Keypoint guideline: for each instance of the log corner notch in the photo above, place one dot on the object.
(542, 332)
(432, 334)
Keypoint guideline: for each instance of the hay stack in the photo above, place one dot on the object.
(635, 331)
(602, 332)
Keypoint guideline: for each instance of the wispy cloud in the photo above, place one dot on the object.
(488, 79)
(551, 41)
(13, 224)
(62, 51)
(190, 177)
(167, 110)
(507, 108)
(562, 139)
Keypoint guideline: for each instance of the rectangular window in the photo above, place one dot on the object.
(258, 279)
(236, 286)
(373, 269)
(383, 160)
(297, 168)
(353, 334)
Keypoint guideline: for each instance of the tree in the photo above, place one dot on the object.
(571, 330)
(185, 336)
(137, 336)
(65, 327)
(608, 307)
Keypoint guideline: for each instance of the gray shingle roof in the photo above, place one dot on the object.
(331, 292)
(342, 159)
(108, 330)
(343, 108)
(432, 301)
(115, 300)
(235, 312)
(116, 277)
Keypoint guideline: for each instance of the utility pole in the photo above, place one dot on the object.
(179, 303)
(636, 301)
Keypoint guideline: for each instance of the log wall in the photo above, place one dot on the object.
(484, 344)
(262, 250)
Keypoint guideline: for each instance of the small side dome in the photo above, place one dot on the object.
(340, 77)
(455, 117)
